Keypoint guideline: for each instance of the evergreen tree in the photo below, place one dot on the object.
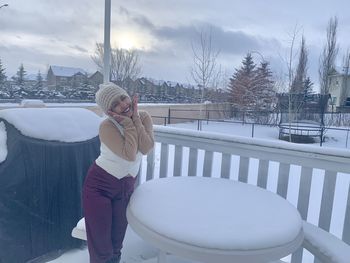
(308, 87)
(20, 75)
(17, 91)
(242, 84)
(86, 90)
(2, 75)
(248, 64)
(39, 81)
(264, 88)
(252, 88)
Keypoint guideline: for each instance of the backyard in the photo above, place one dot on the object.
(135, 250)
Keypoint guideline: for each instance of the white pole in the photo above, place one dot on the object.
(107, 42)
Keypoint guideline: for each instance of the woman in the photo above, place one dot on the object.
(125, 135)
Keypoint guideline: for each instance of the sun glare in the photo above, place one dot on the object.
(126, 41)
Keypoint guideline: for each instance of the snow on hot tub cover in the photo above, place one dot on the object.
(48, 154)
(54, 124)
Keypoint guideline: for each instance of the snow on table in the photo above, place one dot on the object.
(215, 215)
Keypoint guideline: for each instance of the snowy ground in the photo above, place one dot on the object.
(334, 138)
(135, 250)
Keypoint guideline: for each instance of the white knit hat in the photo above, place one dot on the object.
(107, 94)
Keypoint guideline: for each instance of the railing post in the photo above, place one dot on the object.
(169, 113)
(199, 124)
(165, 121)
(252, 130)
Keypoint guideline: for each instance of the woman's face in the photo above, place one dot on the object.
(122, 106)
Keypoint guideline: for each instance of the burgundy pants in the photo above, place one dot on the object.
(105, 199)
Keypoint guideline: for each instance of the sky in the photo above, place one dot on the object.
(40, 33)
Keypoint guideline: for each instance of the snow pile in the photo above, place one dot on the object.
(3, 138)
(186, 209)
(32, 103)
(54, 124)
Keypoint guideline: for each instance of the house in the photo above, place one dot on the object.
(95, 79)
(60, 76)
(339, 88)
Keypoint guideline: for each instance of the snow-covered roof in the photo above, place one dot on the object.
(169, 83)
(156, 81)
(94, 73)
(54, 124)
(172, 83)
(66, 71)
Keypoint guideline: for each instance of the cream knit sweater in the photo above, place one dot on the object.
(122, 148)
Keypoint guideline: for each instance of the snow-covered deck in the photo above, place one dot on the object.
(311, 178)
(315, 180)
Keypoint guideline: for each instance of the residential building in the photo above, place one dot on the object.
(96, 79)
(339, 88)
(60, 76)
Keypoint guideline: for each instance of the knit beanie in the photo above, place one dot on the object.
(107, 94)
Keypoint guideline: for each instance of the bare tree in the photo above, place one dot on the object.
(124, 63)
(97, 57)
(328, 56)
(290, 77)
(344, 92)
(204, 70)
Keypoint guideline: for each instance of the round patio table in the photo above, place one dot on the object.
(214, 220)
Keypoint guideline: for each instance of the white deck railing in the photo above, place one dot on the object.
(300, 173)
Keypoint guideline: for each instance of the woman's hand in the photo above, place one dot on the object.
(135, 101)
(119, 118)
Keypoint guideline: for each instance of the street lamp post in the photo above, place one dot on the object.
(107, 42)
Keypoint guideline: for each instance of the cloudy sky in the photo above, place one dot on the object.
(39, 33)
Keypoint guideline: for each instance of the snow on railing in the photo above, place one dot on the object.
(316, 180)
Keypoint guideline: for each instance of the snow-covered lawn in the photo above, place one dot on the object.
(334, 138)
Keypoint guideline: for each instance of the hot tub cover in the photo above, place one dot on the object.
(41, 181)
